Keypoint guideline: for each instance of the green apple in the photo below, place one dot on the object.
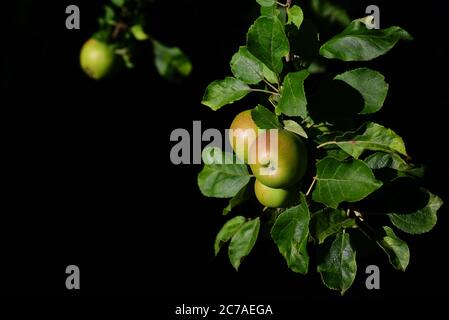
(97, 59)
(283, 166)
(275, 198)
(242, 134)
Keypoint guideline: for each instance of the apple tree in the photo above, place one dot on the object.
(350, 162)
(121, 26)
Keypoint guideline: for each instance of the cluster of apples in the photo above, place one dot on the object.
(278, 171)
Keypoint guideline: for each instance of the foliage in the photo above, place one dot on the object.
(122, 26)
(350, 162)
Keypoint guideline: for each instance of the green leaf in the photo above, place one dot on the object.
(109, 15)
(267, 41)
(295, 16)
(396, 249)
(381, 160)
(246, 67)
(118, 3)
(358, 43)
(227, 232)
(170, 62)
(339, 181)
(269, 11)
(371, 136)
(223, 92)
(370, 84)
(331, 12)
(214, 155)
(266, 3)
(295, 127)
(290, 233)
(270, 75)
(337, 153)
(316, 67)
(413, 171)
(221, 176)
(339, 267)
(127, 58)
(241, 196)
(421, 221)
(139, 33)
(264, 118)
(243, 242)
(327, 222)
(293, 100)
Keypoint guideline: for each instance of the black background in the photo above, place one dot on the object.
(88, 179)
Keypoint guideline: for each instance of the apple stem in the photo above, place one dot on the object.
(119, 27)
(365, 233)
(311, 186)
(270, 85)
(265, 91)
(281, 4)
(326, 144)
(371, 234)
(287, 4)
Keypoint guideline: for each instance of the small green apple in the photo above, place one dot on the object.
(242, 134)
(283, 166)
(275, 198)
(97, 59)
